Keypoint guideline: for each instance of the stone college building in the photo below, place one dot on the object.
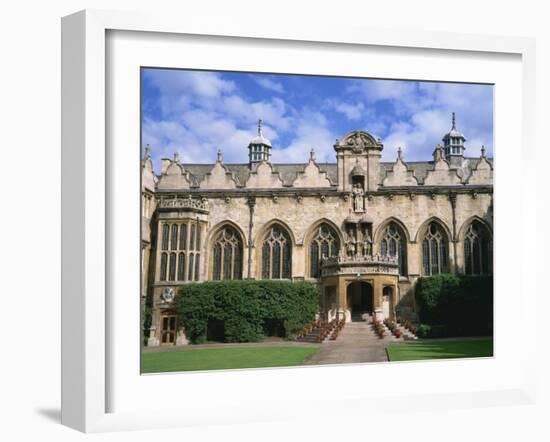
(361, 229)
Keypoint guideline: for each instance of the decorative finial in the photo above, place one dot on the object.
(454, 121)
(399, 153)
(482, 151)
(219, 156)
(312, 154)
(260, 127)
(147, 152)
(176, 157)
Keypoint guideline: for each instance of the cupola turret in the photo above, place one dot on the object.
(259, 148)
(453, 145)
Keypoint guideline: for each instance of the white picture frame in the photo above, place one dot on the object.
(87, 210)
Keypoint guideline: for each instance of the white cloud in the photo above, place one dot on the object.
(353, 112)
(200, 83)
(312, 132)
(275, 111)
(269, 84)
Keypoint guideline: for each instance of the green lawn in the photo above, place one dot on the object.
(441, 349)
(190, 359)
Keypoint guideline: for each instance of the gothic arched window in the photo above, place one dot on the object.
(228, 255)
(325, 243)
(476, 250)
(434, 250)
(276, 254)
(393, 243)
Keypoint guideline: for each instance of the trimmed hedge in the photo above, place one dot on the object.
(247, 309)
(455, 305)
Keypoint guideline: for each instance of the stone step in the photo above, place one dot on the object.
(391, 336)
(406, 333)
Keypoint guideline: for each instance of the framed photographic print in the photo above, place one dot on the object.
(288, 220)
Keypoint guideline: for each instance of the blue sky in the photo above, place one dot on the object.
(196, 113)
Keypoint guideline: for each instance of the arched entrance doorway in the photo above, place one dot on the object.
(359, 299)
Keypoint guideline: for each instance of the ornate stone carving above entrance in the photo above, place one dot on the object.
(358, 142)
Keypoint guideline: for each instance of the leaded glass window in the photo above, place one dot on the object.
(476, 250)
(325, 243)
(165, 234)
(393, 244)
(174, 237)
(172, 272)
(216, 263)
(276, 254)
(198, 245)
(197, 261)
(434, 250)
(191, 267)
(228, 255)
(192, 237)
(163, 264)
(181, 266)
(176, 266)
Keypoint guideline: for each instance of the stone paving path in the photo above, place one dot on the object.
(356, 343)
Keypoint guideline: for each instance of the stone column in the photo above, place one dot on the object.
(341, 299)
(454, 239)
(251, 201)
(377, 291)
(394, 300)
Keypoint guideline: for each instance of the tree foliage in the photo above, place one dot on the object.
(460, 305)
(245, 307)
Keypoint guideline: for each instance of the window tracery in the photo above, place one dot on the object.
(476, 250)
(324, 244)
(227, 255)
(276, 254)
(435, 250)
(392, 244)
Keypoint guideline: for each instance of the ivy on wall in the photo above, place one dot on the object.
(240, 310)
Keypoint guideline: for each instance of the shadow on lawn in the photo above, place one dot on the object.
(441, 350)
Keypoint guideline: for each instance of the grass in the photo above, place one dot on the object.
(441, 349)
(190, 359)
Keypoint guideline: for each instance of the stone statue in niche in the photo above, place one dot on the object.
(367, 243)
(358, 198)
(351, 244)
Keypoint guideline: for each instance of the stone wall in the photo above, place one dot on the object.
(300, 216)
